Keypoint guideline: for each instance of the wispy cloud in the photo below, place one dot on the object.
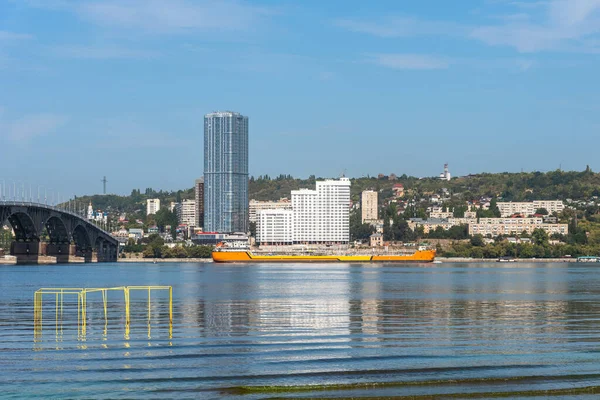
(29, 127)
(552, 25)
(400, 26)
(159, 16)
(101, 52)
(6, 36)
(564, 25)
(409, 61)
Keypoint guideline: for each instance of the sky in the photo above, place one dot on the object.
(119, 88)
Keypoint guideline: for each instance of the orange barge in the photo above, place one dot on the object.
(222, 255)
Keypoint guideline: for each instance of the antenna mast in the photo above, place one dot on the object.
(104, 183)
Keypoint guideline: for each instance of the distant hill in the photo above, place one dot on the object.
(525, 186)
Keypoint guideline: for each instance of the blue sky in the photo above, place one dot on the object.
(119, 87)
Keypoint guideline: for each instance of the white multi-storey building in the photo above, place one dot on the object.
(256, 205)
(186, 213)
(514, 226)
(152, 206)
(528, 208)
(275, 226)
(551, 206)
(368, 206)
(320, 216)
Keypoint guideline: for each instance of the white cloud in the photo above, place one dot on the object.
(101, 52)
(27, 128)
(409, 61)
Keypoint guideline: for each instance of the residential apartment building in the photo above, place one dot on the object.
(514, 226)
(256, 205)
(429, 225)
(441, 214)
(368, 206)
(199, 195)
(152, 206)
(320, 216)
(275, 226)
(186, 213)
(529, 208)
(225, 172)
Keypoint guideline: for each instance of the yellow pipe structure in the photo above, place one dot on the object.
(81, 293)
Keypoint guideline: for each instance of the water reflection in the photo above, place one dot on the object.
(305, 324)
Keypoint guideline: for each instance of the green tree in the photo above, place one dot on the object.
(164, 218)
(477, 240)
(539, 237)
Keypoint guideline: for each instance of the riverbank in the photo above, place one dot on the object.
(518, 260)
(8, 260)
(165, 260)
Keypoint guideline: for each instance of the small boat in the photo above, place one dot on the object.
(588, 259)
(506, 259)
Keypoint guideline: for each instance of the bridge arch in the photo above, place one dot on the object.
(57, 231)
(81, 238)
(66, 234)
(24, 227)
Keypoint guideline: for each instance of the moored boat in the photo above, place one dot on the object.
(223, 254)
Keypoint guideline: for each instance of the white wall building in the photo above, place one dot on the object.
(275, 226)
(186, 213)
(368, 206)
(96, 215)
(256, 205)
(152, 206)
(514, 226)
(528, 208)
(320, 216)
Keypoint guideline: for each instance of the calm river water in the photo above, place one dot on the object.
(357, 330)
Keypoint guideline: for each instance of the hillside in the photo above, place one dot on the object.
(524, 186)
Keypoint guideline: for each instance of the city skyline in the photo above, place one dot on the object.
(103, 88)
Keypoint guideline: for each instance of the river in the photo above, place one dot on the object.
(304, 331)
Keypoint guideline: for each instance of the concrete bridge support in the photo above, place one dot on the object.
(64, 252)
(26, 252)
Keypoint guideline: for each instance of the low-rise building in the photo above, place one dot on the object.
(376, 240)
(398, 189)
(429, 225)
(136, 233)
(213, 238)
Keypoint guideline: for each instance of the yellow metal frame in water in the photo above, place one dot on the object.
(81, 294)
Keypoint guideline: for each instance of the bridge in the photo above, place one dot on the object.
(48, 231)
